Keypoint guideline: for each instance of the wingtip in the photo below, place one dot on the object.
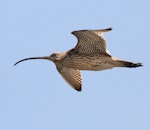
(72, 32)
(79, 89)
(102, 30)
(109, 29)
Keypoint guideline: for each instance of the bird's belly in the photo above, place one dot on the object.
(97, 66)
(88, 63)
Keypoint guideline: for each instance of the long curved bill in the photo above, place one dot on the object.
(32, 58)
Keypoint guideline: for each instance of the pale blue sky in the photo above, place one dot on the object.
(33, 96)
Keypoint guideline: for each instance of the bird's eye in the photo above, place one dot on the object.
(53, 55)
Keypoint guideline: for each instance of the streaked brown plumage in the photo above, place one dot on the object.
(90, 53)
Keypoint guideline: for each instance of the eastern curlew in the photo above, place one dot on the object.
(90, 53)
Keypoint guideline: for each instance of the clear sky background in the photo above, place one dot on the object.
(33, 95)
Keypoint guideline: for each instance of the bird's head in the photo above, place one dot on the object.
(56, 56)
(53, 57)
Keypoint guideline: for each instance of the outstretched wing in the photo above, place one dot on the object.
(72, 76)
(91, 41)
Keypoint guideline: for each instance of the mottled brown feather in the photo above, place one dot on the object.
(91, 41)
(71, 76)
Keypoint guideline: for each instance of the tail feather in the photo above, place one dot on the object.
(122, 63)
(132, 65)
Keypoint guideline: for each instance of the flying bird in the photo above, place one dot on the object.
(90, 53)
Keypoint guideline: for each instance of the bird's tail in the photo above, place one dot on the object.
(123, 63)
(131, 64)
